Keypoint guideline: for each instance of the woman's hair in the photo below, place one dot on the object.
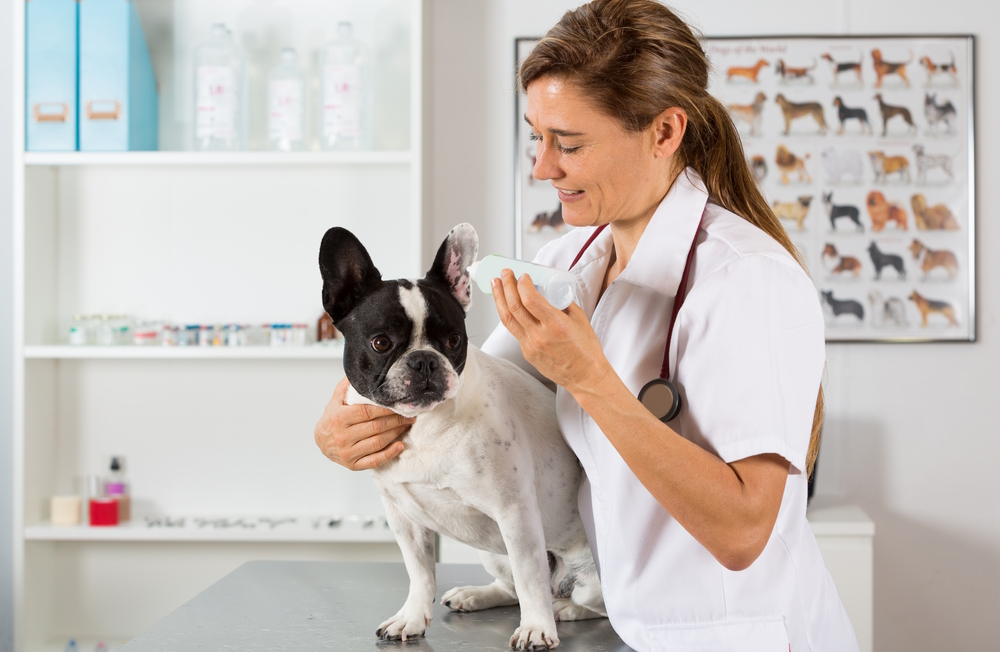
(634, 59)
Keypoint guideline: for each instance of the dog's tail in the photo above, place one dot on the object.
(910, 60)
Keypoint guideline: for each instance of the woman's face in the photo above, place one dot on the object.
(603, 173)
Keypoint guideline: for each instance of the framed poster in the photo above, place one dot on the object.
(864, 147)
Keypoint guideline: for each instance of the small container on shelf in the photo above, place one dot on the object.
(345, 109)
(117, 488)
(286, 97)
(299, 333)
(65, 510)
(170, 335)
(188, 335)
(281, 334)
(325, 330)
(146, 333)
(219, 73)
(83, 330)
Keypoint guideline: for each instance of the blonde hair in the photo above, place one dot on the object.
(636, 58)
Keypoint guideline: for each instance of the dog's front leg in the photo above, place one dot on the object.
(521, 528)
(417, 545)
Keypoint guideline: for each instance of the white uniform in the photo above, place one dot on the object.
(747, 356)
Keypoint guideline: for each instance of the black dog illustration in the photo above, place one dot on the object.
(843, 306)
(880, 260)
(843, 210)
(845, 113)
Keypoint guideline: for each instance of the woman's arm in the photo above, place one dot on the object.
(729, 508)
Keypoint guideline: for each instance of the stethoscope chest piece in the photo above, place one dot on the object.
(661, 398)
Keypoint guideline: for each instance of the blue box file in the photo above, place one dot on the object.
(50, 75)
(119, 102)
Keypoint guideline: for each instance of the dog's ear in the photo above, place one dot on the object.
(451, 265)
(347, 270)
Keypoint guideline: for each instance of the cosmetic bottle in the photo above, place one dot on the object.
(345, 94)
(286, 94)
(219, 75)
(118, 490)
(556, 285)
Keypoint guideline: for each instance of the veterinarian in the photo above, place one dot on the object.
(698, 525)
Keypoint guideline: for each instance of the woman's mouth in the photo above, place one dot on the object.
(570, 195)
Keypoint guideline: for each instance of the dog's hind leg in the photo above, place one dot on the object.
(585, 599)
(500, 593)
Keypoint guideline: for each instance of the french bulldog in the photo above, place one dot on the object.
(484, 463)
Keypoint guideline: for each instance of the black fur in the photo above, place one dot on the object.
(843, 210)
(843, 306)
(881, 260)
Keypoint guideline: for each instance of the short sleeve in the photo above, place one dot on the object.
(750, 359)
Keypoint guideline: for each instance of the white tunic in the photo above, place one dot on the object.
(747, 356)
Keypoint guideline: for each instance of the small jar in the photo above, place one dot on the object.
(146, 334)
(188, 335)
(280, 334)
(204, 335)
(105, 332)
(170, 335)
(298, 334)
(79, 331)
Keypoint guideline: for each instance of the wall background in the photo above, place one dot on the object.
(910, 428)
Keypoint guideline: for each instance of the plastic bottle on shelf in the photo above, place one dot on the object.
(117, 488)
(286, 95)
(219, 76)
(345, 110)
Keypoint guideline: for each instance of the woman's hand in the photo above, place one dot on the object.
(359, 436)
(560, 344)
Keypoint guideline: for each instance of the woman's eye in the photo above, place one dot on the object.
(533, 137)
(381, 343)
(454, 341)
(567, 150)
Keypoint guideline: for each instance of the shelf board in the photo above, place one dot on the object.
(217, 158)
(303, 530)
(67, 352)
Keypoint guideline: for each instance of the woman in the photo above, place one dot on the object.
(698, 525)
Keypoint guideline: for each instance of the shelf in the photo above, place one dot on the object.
(398, 157)
(66, 352)
(303, 530)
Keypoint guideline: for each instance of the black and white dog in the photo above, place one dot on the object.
(484, 463)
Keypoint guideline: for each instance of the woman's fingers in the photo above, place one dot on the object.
(376, 451)
(513, 296)
(506, 318)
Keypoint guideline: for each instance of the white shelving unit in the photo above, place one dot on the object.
(196, 237)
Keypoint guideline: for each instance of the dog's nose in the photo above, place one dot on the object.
(424, 363)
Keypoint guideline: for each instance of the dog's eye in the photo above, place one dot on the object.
(381, 343)
(454, 340)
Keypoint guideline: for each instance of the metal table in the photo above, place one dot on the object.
(295, 605)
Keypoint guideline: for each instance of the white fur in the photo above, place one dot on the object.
(490, 468)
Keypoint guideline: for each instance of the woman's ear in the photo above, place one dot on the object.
(668, 129)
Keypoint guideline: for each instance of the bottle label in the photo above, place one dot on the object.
(217, 102)
(285, 109)
(342, 101)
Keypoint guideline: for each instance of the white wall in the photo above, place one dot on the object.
(909, 433)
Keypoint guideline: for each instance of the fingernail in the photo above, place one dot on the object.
(495, 282)
(399, 448)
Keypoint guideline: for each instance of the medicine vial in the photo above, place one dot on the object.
(286, 93)
(556, 285)
(345, 94)
(219, 73)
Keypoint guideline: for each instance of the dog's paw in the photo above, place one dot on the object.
(566, 610)
(533, 636)
(476, 598)
(406, 624)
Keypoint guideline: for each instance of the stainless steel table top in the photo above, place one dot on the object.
(296, 605)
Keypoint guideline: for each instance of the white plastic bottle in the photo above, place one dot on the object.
(345, 93)
(219, 75)
(286, 94)
(556, 285)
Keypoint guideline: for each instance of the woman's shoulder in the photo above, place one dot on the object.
(559, 253)
(730, 238)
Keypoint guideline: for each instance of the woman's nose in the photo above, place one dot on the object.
(546, 166)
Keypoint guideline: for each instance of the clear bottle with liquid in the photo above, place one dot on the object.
(219, 80)
(286, 95)
(345, 93)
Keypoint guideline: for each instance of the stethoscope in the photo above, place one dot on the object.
(660, 395)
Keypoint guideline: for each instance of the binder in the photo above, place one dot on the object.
(50, 75)
(119, 101)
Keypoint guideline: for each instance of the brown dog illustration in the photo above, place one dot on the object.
(947, 68)
(931, 258)
(890, 111)
(794, 210)
(789, 163)
(882, 212)
(843, 263)
(885, 165)
(883, 68)
(750, 113)
(932, 218)
(748, 73)
(929, 306)
(793, 110)
(759, 167)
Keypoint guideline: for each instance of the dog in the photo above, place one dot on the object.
(793, 110)
(844, 66)
(840, 307)
(794, 210)
(880, 260)
(485, 462)
(845, 113)
(842, 263)
(932, 218)
(553, 219)
(890, 111)
(940, 68)
(750, 113)
(932, 259)
(929, 306)
(891, 309)
(789, 163)
(938, 113)
(759, 167)
(927, 162)
(834, 211)
(750, 72)
(882, 212)
(788, 74)
(885, 165)
(845, 162)
(883, 68)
